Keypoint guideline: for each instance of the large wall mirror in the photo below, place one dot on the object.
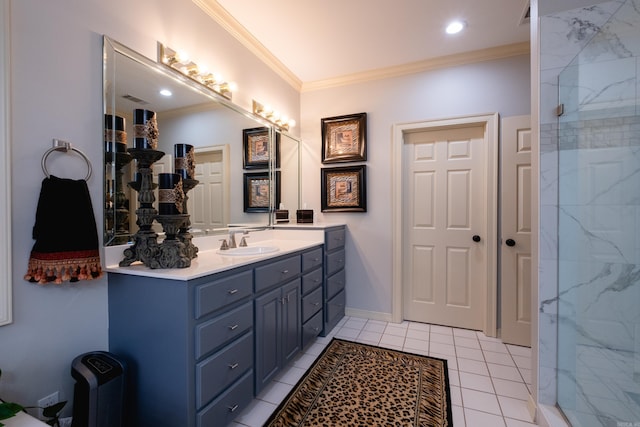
(195, 115)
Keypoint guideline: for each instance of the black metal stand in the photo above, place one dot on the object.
(184, 235)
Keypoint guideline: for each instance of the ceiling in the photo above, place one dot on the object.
(313, 40)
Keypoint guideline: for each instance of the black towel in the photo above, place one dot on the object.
(67, 246)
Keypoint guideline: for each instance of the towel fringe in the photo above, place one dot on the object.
(61, 267)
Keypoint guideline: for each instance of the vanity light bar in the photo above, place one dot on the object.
(184, 65)
(272, 116)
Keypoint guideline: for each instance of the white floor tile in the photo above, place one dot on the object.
(517, 350)
(256, 414)
(418, 334)
(481, 419)
(522, 362)
(374, 327)
(464, 333)
(499, 358)
(469, 353)
(347, 333)
(275, 392)
(510, 373)
(392, 329)
(495, 346)
(370, 336)
(391, 340)
(444, 330)
(456, 395)
(438, 348)
(517, 423)
(466, 342)
(441, 338)
(481, 401)
(425, 327)
(458, 415)
(513, 389)
(514, 408)
(410, 343)
(355, 323)
(473, 366)
(476, 382)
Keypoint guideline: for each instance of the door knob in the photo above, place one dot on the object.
(510, 242)
(476, 238)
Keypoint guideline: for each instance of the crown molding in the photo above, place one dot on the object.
(233, 27)
(488, 54)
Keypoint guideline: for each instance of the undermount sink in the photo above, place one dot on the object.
(249, 250)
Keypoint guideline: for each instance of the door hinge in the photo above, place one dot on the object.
(560, 110)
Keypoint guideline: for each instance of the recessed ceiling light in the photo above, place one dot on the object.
(455, 27)
(165, 92)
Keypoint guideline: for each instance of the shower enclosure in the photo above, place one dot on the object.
(599, 227)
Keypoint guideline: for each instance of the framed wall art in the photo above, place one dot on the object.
(344, 138)
(343, 189)
(256, 191)
(256, 148)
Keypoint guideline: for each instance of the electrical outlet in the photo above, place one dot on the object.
(47, 401)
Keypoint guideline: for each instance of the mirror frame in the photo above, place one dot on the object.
(6, 315)
(112, 47)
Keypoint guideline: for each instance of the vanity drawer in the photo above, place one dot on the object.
(311, 304)
(311, 329)
(312, 280)
(277, 272)
(213, 333)
(232, 402)
(312, 259)
(335, 283)
(215, 373)
(335, 309)
(335, 261)
(334, 239)
(214, 295)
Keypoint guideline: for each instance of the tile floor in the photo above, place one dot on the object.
(489, 380)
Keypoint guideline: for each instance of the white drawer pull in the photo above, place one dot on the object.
(232, 408)
(232, 291)
(233, 327)
(233, 366)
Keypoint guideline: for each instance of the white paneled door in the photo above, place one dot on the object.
(445, 226)
(515, 248)
(206, 202)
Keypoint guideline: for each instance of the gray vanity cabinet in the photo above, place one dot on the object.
(312, 295)
(278, 319)
(334, 277)
(187, 345)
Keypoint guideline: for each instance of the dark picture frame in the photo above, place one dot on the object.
(343, 189)
(344, 138)
(256, 191)
(256, 148)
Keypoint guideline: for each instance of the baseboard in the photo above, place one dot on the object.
(532, 407)
(366, 314)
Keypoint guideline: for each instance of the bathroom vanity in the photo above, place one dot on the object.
(201, 342)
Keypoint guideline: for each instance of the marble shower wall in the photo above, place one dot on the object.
(594, 166)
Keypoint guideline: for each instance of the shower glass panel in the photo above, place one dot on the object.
(599, 228)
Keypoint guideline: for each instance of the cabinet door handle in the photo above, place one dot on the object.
(233, 327)
(284, 271)
(232, 291)
(232, 408)
(316, 329)
(282, 301)
(315, 304)
(233, 366)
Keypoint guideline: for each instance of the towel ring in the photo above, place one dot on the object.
(64, 146)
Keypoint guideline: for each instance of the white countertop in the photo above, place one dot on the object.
(210, 261)
(23, 420)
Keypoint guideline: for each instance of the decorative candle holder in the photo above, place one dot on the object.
(119, 197)
(145, 130)
(184, 235)
(171, 252)
(145, 240)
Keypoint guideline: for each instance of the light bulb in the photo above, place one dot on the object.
(455, 27)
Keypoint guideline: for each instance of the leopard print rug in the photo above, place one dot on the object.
(352, 384)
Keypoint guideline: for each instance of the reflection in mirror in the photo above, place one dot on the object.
(290, 197)
(194, 115)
